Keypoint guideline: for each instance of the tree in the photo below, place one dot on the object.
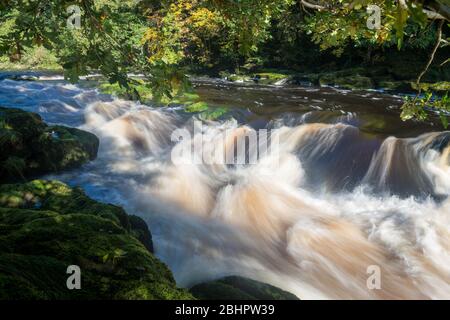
(337, 22)
(161, 39)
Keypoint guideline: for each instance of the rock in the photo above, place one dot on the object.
(239, 78)
(400, 86)
(406, 68)
(238, 288)
(270, 77)
(141, 232)
(305, 79)
(266, 77)
(23, 78)
(46, 226)
(31, 147)
(346, 81)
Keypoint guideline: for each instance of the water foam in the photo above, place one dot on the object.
(267, 221)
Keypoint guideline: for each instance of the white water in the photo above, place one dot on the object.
(271, 221)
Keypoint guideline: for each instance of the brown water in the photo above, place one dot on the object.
(350, 186)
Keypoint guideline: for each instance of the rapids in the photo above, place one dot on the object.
(349, 186)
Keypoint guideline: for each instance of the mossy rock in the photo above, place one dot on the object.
(197, 107)
(344, 81)
(405, 70)
(46, 226)
(28, 277)
(239, 78)
(269, 77)
(238, 288)
(141, 232)
(31, 147)
(300, 79)
(402, 86)
(441, 86)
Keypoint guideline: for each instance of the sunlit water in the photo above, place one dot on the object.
(351, 186)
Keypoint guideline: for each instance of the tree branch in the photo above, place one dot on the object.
(434, 9)
(433, 53)
(438, 8)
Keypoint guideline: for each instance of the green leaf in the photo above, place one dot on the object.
(444, 121)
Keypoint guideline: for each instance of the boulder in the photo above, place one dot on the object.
(31, 147)
(46, 226)
(141, 231)
(351, 82)
(239, 288)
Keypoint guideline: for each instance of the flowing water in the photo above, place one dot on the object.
(350, 186)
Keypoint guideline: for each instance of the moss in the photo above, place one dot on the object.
(46, 226)
(186, 98)
(141, 232)
(403, 86)
(262, 77)
(197, 107)
(32, 277)
(238, 288)
(57, 196)
(214, 113)
(31, 147)
(145, 93)
(269, 77)
(438, 86)
(239, 78)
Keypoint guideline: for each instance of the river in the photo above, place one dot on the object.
(351, 187)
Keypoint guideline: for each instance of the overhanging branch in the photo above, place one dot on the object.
(434, 9)
(439, 8)
(312, 5)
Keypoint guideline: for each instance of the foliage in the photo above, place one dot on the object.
(189, 100)
(35, 58)
(164, 39)
(419, 107)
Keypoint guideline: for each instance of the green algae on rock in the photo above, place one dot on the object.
(31, 147)
(239, 288)
(45, 226)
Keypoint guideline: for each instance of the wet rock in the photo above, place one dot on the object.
(238, 288)
(353, 81)
(399, 86)
(38, 243)
(31, 147)
(141, 232)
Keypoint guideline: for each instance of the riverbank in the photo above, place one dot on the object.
(350, 79)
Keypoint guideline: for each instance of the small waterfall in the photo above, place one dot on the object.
(405, 166)
(310, 218)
